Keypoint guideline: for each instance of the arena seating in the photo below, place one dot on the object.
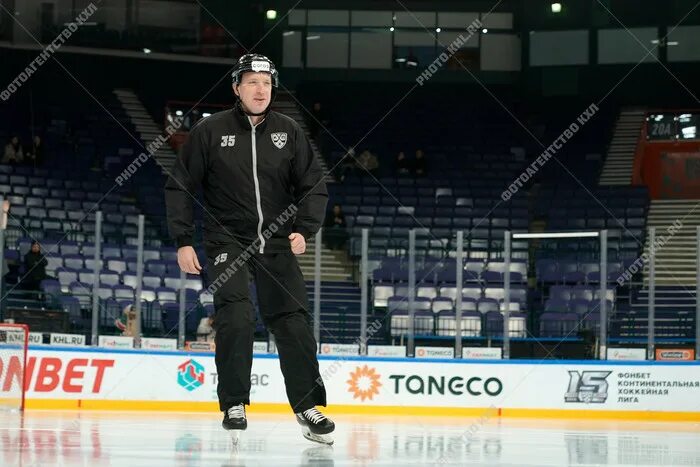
(476, 158)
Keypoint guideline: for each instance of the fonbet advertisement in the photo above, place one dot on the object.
(56, 373)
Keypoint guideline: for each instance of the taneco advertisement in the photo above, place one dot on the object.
(68, 374)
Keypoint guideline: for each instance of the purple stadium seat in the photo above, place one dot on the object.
(105, 293)
(117, 265)
(485, 305)
(73, 261)
(152, 280)
(397, 303)
(579, 306)
(548, 271)
(86, 276)
(560, 292)
(582, 292)
(424, 291)
(472, 292)
(69, 248)
(51, 287)
(469, 305)
(123, 292)
(554, 305)
(441, 304)
(558, 324)
(166, 294)
(156, 267)
(108, 277)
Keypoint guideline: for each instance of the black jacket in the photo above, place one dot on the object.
(247, 191)
(35, 264)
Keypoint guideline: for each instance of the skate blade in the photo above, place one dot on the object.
(323, 439)
(235, 436)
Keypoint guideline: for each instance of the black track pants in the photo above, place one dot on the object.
(284, 308)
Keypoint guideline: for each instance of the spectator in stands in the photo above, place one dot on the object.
(205, 330)
(348, 164)
(6, 276)
(35, 152)
(401, 164)
(368, 161)
(13, 152)
(35, 266)
(5, 213)
(335, 233)
(419, 165)
(126, 323)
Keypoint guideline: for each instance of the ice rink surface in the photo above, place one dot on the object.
(133, 439)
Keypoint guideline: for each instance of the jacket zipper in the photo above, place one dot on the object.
(258, 201)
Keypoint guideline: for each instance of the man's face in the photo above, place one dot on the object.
(35, 248)
(255, 91)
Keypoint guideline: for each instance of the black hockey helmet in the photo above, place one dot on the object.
(255, 63)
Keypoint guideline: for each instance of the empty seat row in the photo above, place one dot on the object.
(382, 293)
(473, 324)
(18, 206)
(117, 265)
(113, 278)
(86, 251)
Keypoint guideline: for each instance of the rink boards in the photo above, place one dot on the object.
(89, 378)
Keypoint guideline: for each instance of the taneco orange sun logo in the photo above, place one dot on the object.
(364, 383)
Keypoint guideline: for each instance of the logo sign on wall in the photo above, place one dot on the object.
(340, 349)
(116, 342)
(482, 352)
(195, 346)
(67, 339)
(675, 354)
(587, 387)
(190, 374)
(627, 354)
(435, 352)
(157, 343)
(36, 338)
(386, 350)
(364, 383)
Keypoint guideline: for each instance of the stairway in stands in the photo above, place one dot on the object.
(287, 104)
(676, 277)
(340, 296)
(146, 127)
(335, 265)
(620, 161)
(340, 311)
(676, 259)
(674, 315)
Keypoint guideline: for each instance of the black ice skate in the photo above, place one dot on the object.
(235, 421)
(315, 426)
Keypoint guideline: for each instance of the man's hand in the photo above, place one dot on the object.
(298, 243)
(187, 260)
